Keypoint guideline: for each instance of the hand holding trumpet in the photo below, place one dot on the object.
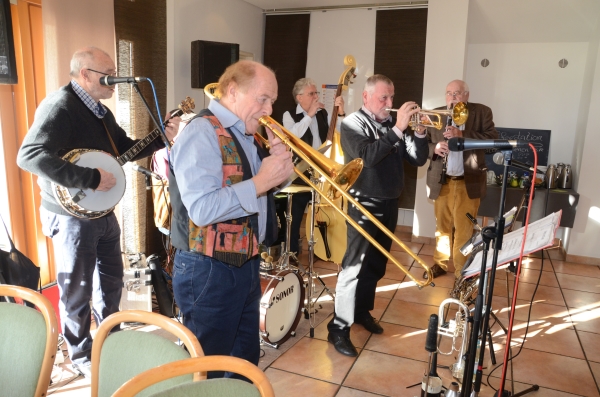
(405, 113)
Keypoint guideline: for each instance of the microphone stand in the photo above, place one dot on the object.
(481, 319)
(156, 123)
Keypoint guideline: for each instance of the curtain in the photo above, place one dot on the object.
(286, 43)
(400, 55)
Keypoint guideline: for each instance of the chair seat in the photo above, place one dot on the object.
(222, 387)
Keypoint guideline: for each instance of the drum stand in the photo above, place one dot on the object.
(309, 308)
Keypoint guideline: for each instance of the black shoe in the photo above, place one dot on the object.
(343, 344)
(436, 270)
(370, 324)
(83, 369)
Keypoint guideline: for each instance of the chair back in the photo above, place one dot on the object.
(223, 387)
(119, 356)
(28, 343)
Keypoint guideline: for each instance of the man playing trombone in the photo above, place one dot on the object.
(382, 143)
(465, 178)
(219, 183)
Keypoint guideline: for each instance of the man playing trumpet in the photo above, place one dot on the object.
(465, 178)
(382, 143)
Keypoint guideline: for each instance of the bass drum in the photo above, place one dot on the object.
(335, 229)
(280, 307)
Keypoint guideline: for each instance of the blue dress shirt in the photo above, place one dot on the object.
(198, 167)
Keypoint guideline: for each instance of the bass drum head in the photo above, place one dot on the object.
(280, 307)
(97, 200)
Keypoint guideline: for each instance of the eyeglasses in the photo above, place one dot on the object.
(114, 74)
(456, 93)
(314, 93)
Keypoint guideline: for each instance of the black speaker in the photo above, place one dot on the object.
(210, 59)
(8, 68)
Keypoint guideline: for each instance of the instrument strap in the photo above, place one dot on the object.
(111, 140)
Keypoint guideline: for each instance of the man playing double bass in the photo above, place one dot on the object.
(309, 121)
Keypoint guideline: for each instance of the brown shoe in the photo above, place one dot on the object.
(436, 270)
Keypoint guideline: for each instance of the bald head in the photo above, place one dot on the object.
(83, 57)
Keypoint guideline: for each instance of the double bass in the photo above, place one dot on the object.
(330, 226)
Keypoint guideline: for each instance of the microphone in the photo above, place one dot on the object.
(145, 171)
(499, 159)
(460, 144)
(111, 80)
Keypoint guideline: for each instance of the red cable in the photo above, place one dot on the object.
(517, 274)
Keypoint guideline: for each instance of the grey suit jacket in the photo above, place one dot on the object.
(479, 125)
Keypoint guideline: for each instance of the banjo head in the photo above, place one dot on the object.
(88, 203)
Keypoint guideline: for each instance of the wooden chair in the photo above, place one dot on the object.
(120, 356)
(28, 343)
(222, 387)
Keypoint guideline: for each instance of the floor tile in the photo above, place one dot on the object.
(348, 392)
(428, 295)
(578, 283)
(286, 384)
(570, 375)
(543, 336)
(596, 371)
(414, 247)
(550, 295)
(586, 320)
(386, 288)
(580, 299)
(591, 345)
(408, 342)
(428, 249)
(380, 373)
(409, 314)
(531, 276)
(575, 269)
(317, 359)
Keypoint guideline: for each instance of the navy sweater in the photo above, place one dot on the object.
(62, 123)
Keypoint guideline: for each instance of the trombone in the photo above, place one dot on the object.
(339, 178)
(433, 118)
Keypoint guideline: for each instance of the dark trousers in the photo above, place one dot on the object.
(88, 266)
(363, 265)
(220, 305)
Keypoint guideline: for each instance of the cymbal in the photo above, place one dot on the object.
(296, 189)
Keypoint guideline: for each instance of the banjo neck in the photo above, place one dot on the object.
(144, 142)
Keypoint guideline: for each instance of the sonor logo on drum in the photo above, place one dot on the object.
(282, 295)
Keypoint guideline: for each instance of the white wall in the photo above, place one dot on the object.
(230, 21)
(444, 61)
(327, 49)
(70, 25)
(526, 88)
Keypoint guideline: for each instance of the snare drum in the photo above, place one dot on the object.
(280, 306)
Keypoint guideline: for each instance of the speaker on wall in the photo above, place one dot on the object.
(210, 59)
(8, 67)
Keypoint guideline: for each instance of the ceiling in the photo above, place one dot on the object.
(495, 21)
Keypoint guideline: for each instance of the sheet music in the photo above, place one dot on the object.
(476, 240)
(540, 235)
(328, 96)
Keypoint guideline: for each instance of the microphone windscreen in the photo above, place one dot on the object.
(453, 144)
(431, 341)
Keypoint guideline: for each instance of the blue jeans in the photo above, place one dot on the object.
(88, 266)
(220, 305)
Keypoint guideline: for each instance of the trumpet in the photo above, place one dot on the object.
(339, 179)
(433, 118)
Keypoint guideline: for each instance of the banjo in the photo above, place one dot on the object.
(89, 203)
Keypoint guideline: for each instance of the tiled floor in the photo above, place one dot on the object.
(561, 353)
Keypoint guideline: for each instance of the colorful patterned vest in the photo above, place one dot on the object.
(233, 241)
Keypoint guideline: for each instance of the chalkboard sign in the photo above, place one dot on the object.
(539, 138)
(8, 69)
